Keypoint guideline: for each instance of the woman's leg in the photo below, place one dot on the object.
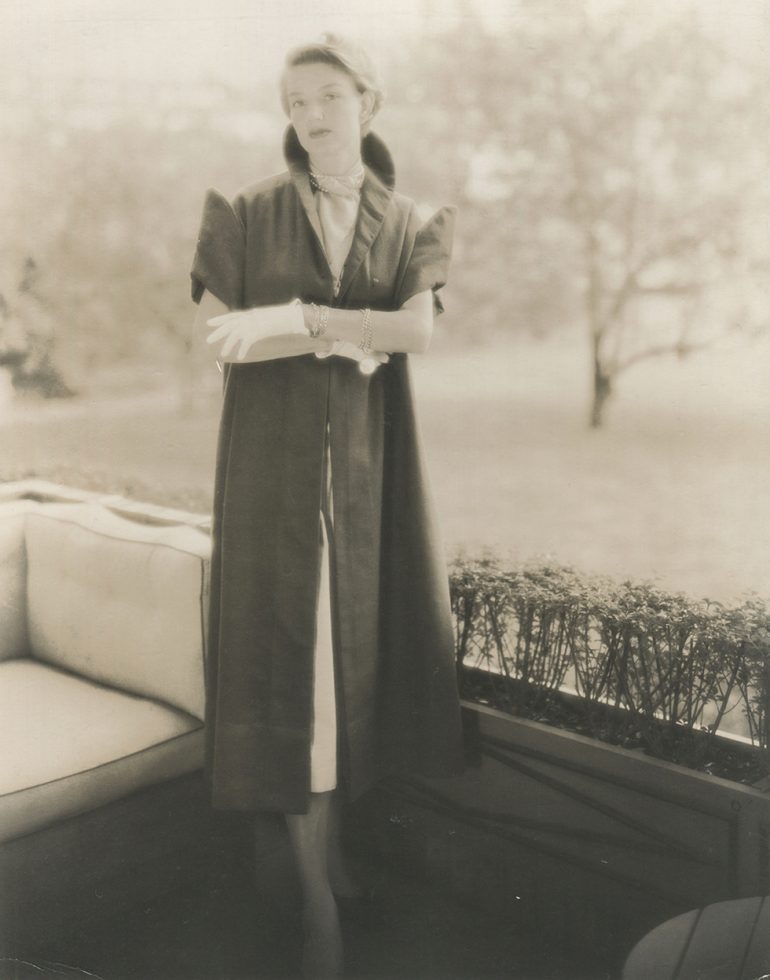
(341, 876)
(309, 835)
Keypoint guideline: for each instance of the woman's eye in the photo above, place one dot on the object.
(330, 96)
(297, 103)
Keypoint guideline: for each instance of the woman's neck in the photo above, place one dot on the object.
(334, 165)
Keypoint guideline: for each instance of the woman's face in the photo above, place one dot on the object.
(327, 110)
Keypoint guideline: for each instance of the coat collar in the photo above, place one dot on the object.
(376, 192)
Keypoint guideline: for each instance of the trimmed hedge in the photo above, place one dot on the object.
(635, 664)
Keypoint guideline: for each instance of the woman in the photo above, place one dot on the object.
(330, 658)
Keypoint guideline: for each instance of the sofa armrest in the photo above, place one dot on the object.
(14, 636)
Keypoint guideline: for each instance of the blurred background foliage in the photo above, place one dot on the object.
(596, 391)
(610, 174)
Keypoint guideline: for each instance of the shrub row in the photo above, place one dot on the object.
(630, 658)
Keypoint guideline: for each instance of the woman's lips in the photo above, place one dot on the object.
(316, 133)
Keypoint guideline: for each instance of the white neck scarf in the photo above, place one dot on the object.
(337, 199)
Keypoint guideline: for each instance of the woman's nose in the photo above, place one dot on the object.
(316, 111)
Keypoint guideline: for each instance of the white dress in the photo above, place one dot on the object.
(323, 748)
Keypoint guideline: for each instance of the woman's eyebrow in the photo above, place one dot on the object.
(327, 85)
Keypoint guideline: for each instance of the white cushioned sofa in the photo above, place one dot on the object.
(102, 607)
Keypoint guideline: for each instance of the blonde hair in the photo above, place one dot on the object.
(339, 52)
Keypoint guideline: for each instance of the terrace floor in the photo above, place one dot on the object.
(220, 930)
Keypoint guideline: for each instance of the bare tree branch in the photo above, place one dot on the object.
(680, 348)
(671, 289)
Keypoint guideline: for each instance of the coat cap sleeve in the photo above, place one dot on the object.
(428, 266)
(219, 256)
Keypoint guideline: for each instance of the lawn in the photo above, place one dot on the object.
(675, 486)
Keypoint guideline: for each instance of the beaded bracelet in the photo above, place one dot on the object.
(367, 336)
(320, 320)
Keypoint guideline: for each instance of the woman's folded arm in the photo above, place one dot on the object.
(406, 330)
(266, 333)
(263, 349)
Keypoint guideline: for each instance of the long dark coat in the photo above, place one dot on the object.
(397, 698)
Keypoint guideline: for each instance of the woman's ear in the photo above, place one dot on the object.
(367, 106)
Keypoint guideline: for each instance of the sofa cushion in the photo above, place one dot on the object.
(13, 581)
(118, 601)
(71, 745)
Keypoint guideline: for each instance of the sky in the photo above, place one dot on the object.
(178, 39)
(240, 40)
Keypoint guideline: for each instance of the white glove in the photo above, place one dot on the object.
(367, 363)
(247, 327)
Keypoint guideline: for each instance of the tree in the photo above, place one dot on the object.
(663, 167)
(27, 338)
(610, 172)
(106, 193)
